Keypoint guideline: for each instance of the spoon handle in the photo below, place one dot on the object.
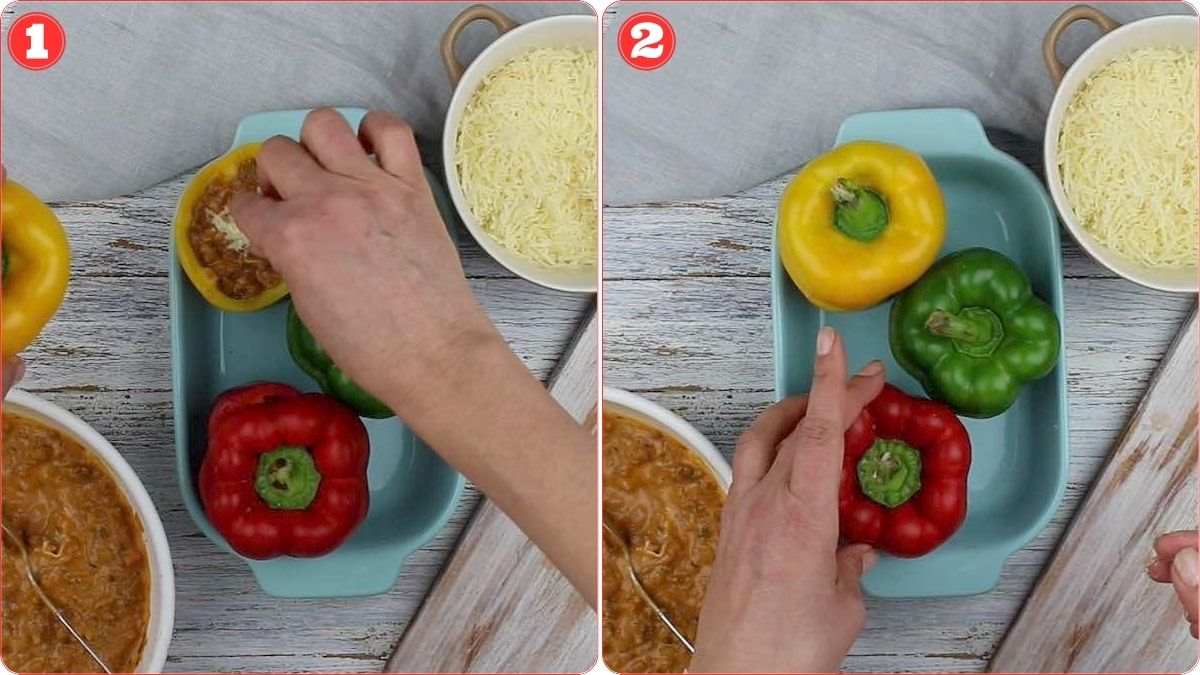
(662, 616)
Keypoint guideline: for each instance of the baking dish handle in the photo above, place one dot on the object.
(1050, 44)
(469, 15)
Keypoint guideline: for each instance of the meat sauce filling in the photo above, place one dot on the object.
(86, 548)
(240, 274)
(668, 503)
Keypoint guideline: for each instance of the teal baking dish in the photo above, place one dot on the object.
(413, 492)
(1019, 466)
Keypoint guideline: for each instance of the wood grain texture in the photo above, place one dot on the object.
(1093, 610)
(106, 357)
(501, 606)
(687, 323)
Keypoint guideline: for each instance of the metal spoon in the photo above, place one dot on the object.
(637, 583)
(46, 599)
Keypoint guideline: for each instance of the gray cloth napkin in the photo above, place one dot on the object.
(147, 91)
(756, 89)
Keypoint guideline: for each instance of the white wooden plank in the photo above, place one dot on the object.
(1095, 590)
(501, 606)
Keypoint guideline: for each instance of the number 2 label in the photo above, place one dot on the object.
(646, 41)
(36, 41)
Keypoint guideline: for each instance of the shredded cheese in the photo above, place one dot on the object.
(224, 223)
(526, 156)
(1128, 157)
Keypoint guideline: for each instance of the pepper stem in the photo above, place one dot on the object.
(975, 331)
(890, 472)
(858, 212)
(287, 478)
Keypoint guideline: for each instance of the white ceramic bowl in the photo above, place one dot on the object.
(631, 405)
(1160, 31)
(555, 31)
(162, 577)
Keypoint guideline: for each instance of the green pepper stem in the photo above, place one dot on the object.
(858, 212)
(976, 331)
(945, 324)
(889, 473)
(287, 478)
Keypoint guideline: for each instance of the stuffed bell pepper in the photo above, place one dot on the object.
(285, 473)
(36, 266)
(211, 249)
(973, 333)
(904, 475)
(859, 224)
(313, 359)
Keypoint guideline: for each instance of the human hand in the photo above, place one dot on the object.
(371, 268)
(1175, 562)
(783, 596)
(14, 369)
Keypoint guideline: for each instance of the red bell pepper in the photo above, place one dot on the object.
(904, 476)
(285, 473)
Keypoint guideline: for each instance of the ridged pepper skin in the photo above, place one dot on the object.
(924, 500)
(972, 332)
(859, 224)
(285, 473)
(37, 265)
(314, 360)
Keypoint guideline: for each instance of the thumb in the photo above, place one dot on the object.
(852, 563)
(1184, 578)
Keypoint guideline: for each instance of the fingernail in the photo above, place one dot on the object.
(1184, 566)
(825, 340)
(873, 368)
(869, 559)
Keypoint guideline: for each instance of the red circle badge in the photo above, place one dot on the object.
(36, 41)
(646, 41)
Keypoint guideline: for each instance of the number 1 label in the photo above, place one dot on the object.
(36, 41)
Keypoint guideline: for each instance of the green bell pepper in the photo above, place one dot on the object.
(972, 332)
(313, 360)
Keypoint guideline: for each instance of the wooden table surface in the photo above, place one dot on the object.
(687, 323)
(106, 357)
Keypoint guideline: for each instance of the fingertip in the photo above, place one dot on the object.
(869, 559)
(874, 368)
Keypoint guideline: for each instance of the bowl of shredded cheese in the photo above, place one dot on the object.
(519, 146)
(1121, 147)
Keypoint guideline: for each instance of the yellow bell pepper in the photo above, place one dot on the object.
(224, 168)
(37, 264)
(859, 224)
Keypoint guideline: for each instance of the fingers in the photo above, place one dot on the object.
(1165, 549)
(286, 167)
(328, 137)
(392, 141)
(1185, 568)
(863, 389)
(757, 447)
(853, 562)
(14, 370)
(260, 219)
(815, 447)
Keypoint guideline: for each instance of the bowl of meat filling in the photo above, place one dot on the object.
(212, 251)
(664, 488)
(95, 545)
